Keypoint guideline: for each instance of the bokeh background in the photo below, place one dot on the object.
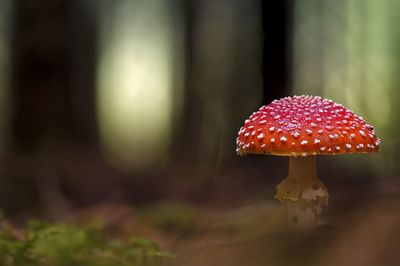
(128, 111)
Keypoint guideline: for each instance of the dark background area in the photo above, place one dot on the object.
(53, 84)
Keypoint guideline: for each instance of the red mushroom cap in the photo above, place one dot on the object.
(306, 125)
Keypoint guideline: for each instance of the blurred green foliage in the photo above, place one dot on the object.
(173, 217)
(67, 244)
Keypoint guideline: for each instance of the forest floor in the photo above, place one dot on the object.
(228, 221)
(253, 233)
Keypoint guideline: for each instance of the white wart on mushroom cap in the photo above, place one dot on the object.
(305, 125)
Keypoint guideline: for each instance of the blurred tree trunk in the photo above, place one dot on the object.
(84, 32)
(41, 95)
(224, 81)
(52, 102)
(276, 21)
(6, 52)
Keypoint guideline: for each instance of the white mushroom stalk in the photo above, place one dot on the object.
(303, 192)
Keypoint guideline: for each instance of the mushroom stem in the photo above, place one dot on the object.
(303, 192)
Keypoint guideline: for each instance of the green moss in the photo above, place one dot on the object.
(72, 245)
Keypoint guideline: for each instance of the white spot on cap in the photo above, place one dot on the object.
(331, 136)
(251, 127)
(261, 136)
(322, 148)
(279, 130)
(296, 134)
(253, 133)
(283, 139)
(304, 154)
(277, 116)
(337, 148)
(362, 133)
(246, 134)
(352, 135)
(246, 121)
(272, 140)
(271, 129)
(316, 141)
(263, 146)
(309, 132)
(313, 125)
(320, 131)
(319, 119)
(304, 142)
(262, 122)
(348, 145)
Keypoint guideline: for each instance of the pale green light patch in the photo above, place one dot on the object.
(352, 57)
(307, 64)
(135, 84)
(378, 104)
(379, 64)
(334, 81)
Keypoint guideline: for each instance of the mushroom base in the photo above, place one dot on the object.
(302, 191)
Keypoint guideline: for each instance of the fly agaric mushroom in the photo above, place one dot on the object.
(302, 127)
